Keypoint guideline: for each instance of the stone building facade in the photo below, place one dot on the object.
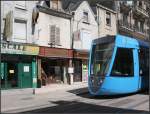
(18, 53)
(133, 19)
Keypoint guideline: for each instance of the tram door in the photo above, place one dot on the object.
(144, 67)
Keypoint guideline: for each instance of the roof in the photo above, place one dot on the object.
(105, 39)
(71, 5)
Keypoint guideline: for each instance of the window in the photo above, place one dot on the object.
(85, 17)
(125, 19)
(141, 26)
(136, 25)
(21, 4)
(100, 60)
(20, 30)
(140, 4)
(108, 19)
(123, 64)
(144, 61)
(55, 4)
(54, 35)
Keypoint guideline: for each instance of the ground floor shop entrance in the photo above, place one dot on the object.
(80, 66)
(77, 77)
(80, 70)
(12, 76)
(16, 72)
(54, 70)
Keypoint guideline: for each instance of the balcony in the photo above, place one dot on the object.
(140, 30)
(128, 29)
(140, 12)
(125, 25)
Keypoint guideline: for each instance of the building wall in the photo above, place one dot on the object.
(43, 32)
(18, 13)
(133, 15)
(89, 29)
(103, 28)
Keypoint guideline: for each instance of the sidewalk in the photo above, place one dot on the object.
(24, 99)
(45, 89)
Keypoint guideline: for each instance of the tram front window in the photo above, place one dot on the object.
(100, 60)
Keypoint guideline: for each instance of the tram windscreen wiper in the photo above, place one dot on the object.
(105, 65)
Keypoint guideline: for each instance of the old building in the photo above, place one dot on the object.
(133, 18)
(84, 30)
(106, 19)
(18, 53)
(53, 36)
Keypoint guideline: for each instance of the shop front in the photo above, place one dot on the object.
(80, 66)
(18, 65)
(54, 63)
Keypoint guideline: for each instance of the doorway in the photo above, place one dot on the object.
(77, 71)
(26, 75)
(12, 77)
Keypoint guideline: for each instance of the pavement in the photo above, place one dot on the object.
(18, 100)
(70, 99)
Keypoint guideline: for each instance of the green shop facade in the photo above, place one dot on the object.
(18, 65)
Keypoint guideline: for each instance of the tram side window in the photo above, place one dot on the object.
(123, 64)
(144, 61)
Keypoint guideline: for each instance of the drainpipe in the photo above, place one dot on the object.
(72, 44)
(98, 19)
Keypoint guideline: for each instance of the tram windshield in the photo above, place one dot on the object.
(100, 60)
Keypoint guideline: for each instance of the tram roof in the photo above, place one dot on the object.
(111, 38)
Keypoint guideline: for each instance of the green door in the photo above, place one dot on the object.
(26, 79)
(3, 75)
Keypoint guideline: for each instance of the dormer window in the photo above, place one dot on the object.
(108, 19)
(55, 4)
(140, 4)
(85, 17)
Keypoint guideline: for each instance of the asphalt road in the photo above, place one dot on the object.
(85, 103)
(73, 101)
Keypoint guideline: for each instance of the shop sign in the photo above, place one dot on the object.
(81, 55)
(19, 49)
(11, 71)
(70, 70)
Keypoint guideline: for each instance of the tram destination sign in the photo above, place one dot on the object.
(9, 48)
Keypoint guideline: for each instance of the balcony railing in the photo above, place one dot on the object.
(125, 26)
(142, 11)
(140, 30)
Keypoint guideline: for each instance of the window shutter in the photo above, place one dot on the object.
(57, 39)
(9, 26)
(52, 34)
(20, 30)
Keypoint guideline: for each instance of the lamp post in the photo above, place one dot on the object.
(71, 61)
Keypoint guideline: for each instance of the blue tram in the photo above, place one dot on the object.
(118, 65)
